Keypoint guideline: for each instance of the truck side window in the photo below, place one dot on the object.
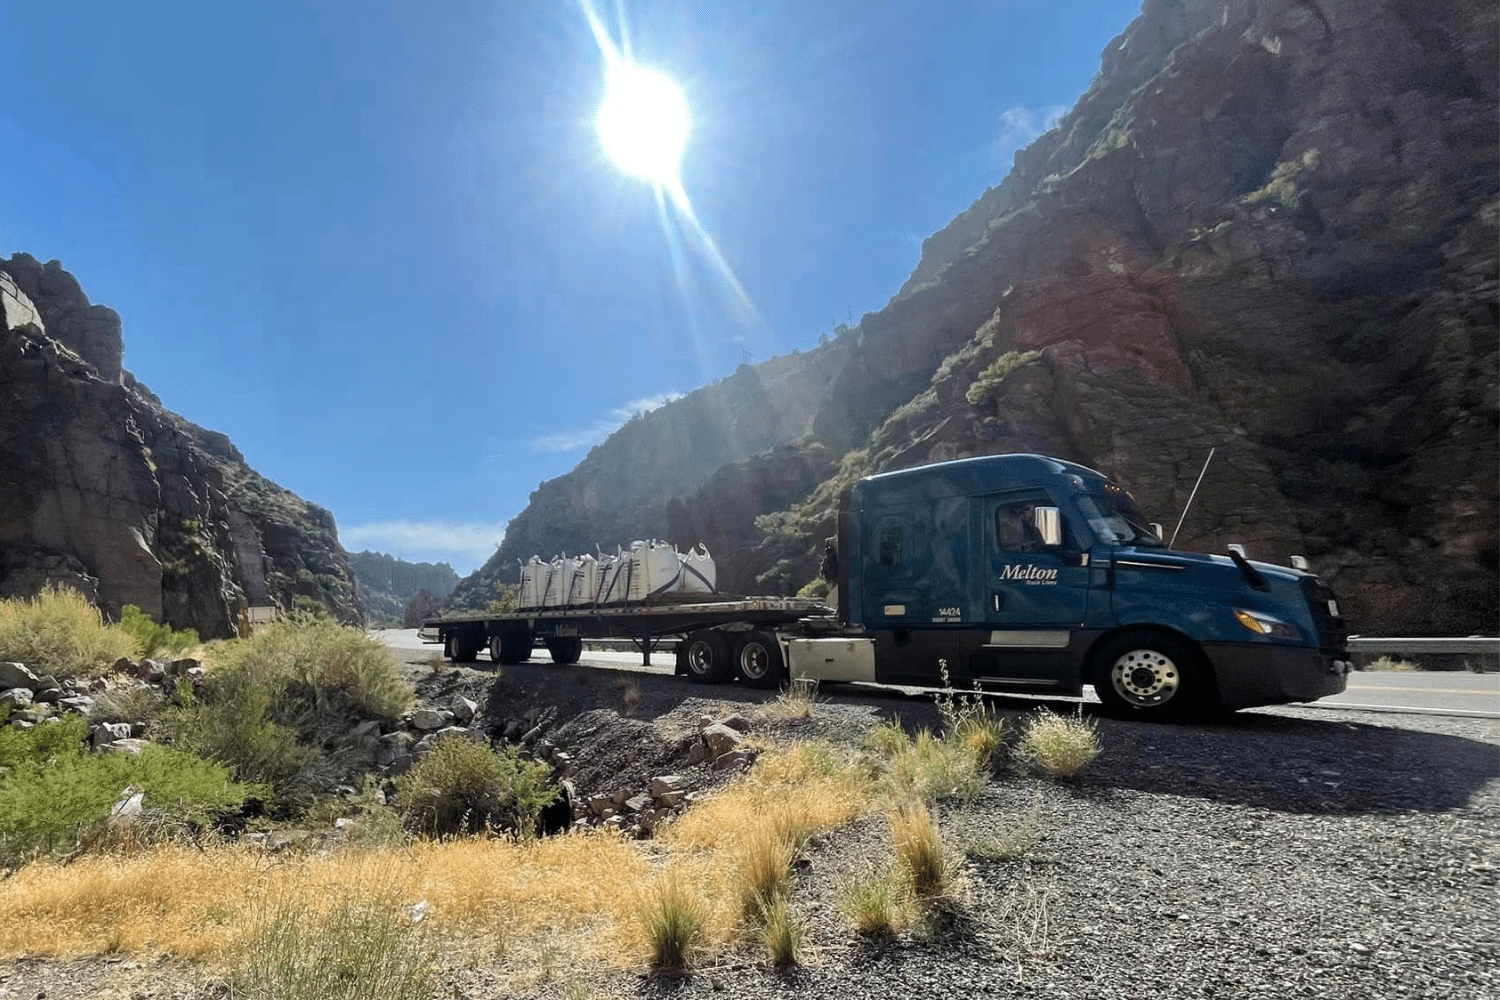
(1015, 529)
(890, 546)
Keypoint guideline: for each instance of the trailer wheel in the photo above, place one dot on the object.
(1152, 676)
(704, 657)
(515, 644)
(565, 649)
(495, 649)
(464, 645)
(758, 661)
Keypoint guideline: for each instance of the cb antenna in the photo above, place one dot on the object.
(1185, 509)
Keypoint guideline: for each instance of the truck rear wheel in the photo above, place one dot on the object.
(758, 661)
(515, 644)
(704, 657)
(565, 649)
(463, 645)
(1152, 676)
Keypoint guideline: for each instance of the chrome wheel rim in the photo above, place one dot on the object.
(1145, 678)
(754, 661)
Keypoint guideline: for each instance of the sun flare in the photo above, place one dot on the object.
(643, 123)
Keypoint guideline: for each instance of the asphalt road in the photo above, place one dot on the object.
(1422, 692)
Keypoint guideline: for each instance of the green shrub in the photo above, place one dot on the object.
(51, 806)
(368, 949)
(934, 769)
(1057, 745)
(990, 379)
(872, 904)
(462, 786)
(41, 743)
(237, 733)
(151, 638)
(59, 632)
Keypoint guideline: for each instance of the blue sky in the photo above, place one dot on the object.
(379, 246)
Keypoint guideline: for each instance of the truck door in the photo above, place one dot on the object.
(1035, 595)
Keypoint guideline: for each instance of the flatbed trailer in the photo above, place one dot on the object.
(714, 622)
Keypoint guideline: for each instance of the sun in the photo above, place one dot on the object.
(643, 123)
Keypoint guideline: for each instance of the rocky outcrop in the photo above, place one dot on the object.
(1268, 229)
(103, 490)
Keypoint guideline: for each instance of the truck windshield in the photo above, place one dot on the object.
(1115, 519)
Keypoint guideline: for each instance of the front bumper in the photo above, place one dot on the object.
(1266, 674)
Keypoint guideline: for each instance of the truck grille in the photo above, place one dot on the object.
(1333, 633)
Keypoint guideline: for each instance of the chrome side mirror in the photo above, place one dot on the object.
(1048, 525)
(1156, 529)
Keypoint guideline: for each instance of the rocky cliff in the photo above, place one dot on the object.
(1269, 229)
(104, 490)
(387, 585)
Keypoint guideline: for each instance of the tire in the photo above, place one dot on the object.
(464, 645)
(515, 644)
(495, 653)
(758, 661)
(704, 657)
(1153, 676)
(565, 650)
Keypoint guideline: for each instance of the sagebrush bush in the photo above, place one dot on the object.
(128, 703)
(463, 786)
(317, 672)
(59, 632)
(151, 638)
(50, 806)
(354, 949)
(1058, 745)
(41, 743)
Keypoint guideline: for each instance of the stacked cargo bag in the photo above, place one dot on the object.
(698, 573)
(655, 570)
(614, 579)
(556, 593)
(533, 583)
(583, 582)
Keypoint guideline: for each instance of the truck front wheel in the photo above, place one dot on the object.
(758, 660)
(1146, 675)
(704, 657)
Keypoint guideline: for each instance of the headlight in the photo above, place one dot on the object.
(1263, 624)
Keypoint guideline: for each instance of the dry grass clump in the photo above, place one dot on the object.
(1058, 745)
(920, 853)
(59, 632)
(934, 769)
(781, 934)
(349, 949)
(795, 701)
(673, 919)
(874, 904)
(1011, 841)
(1388, 663)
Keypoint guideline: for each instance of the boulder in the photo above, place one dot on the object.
(17, 697)
(667, 783)
(463, 709)
(637, 803)
(110, 732)
(17, 675)
(427, 719)
(721, 739)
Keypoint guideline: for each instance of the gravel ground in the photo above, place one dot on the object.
(1287, 852)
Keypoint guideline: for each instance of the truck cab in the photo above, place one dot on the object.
(1028, 573)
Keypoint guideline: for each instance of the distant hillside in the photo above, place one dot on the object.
(387, 585)
(1269, 229)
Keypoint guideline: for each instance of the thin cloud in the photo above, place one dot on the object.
(1019, 127)
(586, 437)
(423, 540)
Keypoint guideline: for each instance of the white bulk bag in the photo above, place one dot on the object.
(583, 583)
(654, 570)
(614, 580)
(698, 574)
(533, 583)
(556, 594)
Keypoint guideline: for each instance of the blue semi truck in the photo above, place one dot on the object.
(1013, 573)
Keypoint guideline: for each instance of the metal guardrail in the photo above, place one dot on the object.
(1483, 644)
